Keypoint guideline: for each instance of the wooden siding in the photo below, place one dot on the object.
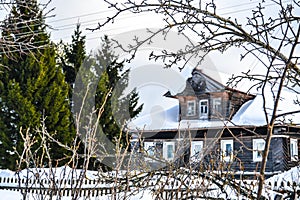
(278, 159)
(230, 103)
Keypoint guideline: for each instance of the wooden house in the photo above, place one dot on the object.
(206, 99)
(206, 138)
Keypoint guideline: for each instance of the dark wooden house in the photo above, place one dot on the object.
(236, 149)
(206, 99)
(221, 144)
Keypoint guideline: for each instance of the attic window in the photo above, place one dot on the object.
(217, 109)
(203, 108)
(294, 149)
(191, 108)
(258, 149)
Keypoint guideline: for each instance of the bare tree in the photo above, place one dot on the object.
(19, 42)
(272, 39)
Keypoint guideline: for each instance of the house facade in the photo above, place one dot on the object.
(236, 149)
(206, 138)
(206, 99)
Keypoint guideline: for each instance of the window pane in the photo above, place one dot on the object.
(294, 149)
(228, 150)
(169, 151)
(197, 150)
(191, 108)
(204, 107)
(260, 146)
(217, 106)
(258, 149)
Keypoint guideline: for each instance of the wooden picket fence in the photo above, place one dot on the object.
(94, 188)
(62, 187)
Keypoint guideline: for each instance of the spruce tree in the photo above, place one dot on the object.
(71, 59)
(74, 55)
(33, 86)
(118, 107)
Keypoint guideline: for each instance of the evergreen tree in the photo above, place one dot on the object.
(113, 81)
(33, 86)
(74, 55)
(108, 76)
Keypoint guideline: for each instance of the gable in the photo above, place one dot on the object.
(200, 83)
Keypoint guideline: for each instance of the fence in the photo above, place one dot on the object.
(92, 188)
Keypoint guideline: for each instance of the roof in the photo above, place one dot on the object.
(252, 112)
(201, 83)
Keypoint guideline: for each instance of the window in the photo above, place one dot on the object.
(168, 150)
(294, 149)
(191, 108)
(149, 148)
(217, 109)
(196, 148)
(203, 109)
(258, 149)
(227, 150)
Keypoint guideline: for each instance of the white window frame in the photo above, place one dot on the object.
(217, 106)
(195, 151)
(294, 149)
(149, 148)
(224, 154)
(203, 115)
(258, 148)
(191, 108)
(166, 154)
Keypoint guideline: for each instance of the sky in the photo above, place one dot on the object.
(89, 13)
(149, 77)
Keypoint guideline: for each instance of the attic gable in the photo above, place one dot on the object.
(200, 83)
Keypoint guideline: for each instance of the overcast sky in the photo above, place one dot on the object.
(88, 13)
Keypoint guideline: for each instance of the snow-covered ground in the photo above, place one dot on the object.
(7, 178)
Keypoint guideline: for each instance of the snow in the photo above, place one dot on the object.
(164, 115)
(168, 119)
(11, 179)
(252, 112)
(62, 173)
(158, 119)
(291, 176)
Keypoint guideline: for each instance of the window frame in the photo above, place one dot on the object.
(217, 101)
(193, 156)
(203, 115)
(255, 149)
(193, 110)
(223, 145)
(165, 150)
(294, 149)
(147, 148)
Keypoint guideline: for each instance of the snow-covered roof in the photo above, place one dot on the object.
(169, 120)
(252, 112)
(164, 112)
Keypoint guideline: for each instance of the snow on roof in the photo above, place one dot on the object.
(169, 120)
(157, 119)
(252, 112)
